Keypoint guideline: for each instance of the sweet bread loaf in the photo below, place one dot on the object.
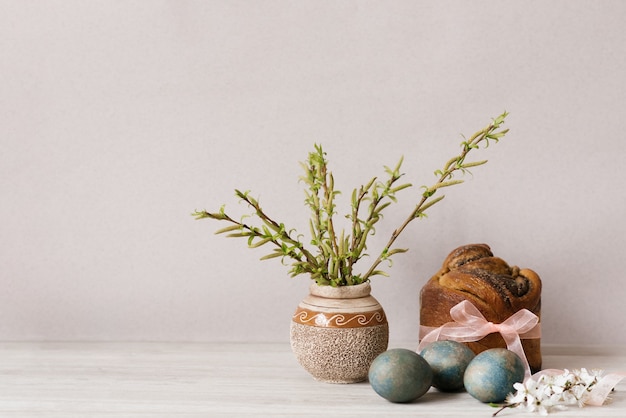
(472, 273)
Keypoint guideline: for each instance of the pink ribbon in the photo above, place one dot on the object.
(468, 324)
(603, 388)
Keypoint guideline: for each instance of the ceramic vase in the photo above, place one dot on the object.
(336, 332)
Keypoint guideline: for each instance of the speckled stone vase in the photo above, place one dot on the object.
(336, 332)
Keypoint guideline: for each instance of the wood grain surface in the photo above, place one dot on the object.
(229, 380)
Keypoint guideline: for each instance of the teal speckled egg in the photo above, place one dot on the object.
(400, 375)
(492, 373)
(448, 359)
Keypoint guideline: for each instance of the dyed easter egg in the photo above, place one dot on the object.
(400, 375)
(491, 374)
(448, 359)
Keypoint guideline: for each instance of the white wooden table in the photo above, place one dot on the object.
(233, 380)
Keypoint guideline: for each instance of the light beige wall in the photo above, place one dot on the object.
(119, 118)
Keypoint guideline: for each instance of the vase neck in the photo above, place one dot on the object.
(341, 292)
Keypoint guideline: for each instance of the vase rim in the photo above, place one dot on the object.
(341, 292)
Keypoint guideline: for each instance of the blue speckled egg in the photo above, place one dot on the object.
(448, 359)
(492, 373)
(400, 375)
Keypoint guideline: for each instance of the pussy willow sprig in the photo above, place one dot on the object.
(331, 257)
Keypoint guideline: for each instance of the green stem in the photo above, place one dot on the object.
(453, 165)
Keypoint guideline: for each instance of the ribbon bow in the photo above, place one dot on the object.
(468, 324)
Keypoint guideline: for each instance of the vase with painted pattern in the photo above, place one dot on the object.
(336, 332)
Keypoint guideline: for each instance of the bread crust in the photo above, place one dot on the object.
(498, 290)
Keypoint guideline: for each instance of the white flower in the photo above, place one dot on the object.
(519, 396)
(553, 392)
